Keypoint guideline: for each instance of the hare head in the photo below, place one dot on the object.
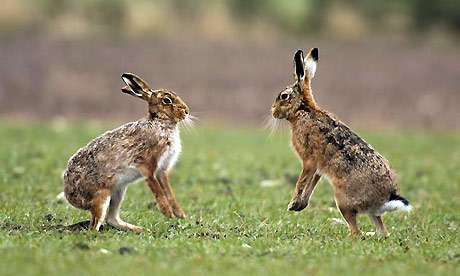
(298, 95)
(163, 104)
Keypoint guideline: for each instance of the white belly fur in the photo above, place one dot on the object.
(170, 155)
(127, 176)
(324, 176)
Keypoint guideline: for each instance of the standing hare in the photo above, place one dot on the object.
(363, 180)
(97, 175)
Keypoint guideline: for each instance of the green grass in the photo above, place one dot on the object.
(218, 183)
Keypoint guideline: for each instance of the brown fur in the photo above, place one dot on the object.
(101, 170)
(362, 178)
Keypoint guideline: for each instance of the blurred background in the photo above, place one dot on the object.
(383, 64)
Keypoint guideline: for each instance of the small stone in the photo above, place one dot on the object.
(370, 234)
(19, 170)
(337, 220)
(245, 245)
(61, 197)
(82, 246)
(49, 217)
(270, 183)
(125, 250)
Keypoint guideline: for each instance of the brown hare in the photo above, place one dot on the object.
(97, 175)
(363, 180)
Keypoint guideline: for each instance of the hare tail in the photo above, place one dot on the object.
(397, 203)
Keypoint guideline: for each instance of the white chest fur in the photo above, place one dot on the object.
(171, 153)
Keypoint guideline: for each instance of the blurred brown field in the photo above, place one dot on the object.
(63, 60)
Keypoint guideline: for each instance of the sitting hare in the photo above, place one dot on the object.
(97, 175)
(363, 180)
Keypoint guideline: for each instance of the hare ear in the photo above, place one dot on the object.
(310, 63)
(127, 90)
(299, 66)
(136, 86)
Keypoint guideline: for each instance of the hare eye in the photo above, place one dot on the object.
(167, 101)
(284, 96)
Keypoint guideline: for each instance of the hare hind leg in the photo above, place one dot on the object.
(98, 209)
(381, 230)
(350, 216)
(113, 218)
(345, 206)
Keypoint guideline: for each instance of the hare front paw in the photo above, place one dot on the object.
(166, 210)
(178, 212)
(297, 205)
(294, 204)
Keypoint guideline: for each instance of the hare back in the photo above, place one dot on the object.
(111, 159)
(335, 148)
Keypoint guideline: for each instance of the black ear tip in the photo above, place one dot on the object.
(298, 54)
(315, 54)
(126, 75)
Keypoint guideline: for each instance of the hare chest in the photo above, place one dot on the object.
(170, 154)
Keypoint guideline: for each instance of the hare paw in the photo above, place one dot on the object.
(166, 211)
(294, 205)
(124, 226)
(179, 213)
(298, 204)
(137, 229)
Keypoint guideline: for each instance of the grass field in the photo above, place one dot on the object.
(234, 186)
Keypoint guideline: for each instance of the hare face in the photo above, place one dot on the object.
(287, 102)
(297, 96)
(166, 105)
(163, 104)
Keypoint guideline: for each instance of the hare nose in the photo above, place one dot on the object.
(186, 111)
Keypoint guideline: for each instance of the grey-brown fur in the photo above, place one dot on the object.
(362, 178)
(345, 158)
(95, 166)
(97, 175)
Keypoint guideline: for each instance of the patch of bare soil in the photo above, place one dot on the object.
(11, 228)
(76, 227)
(366, 83)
